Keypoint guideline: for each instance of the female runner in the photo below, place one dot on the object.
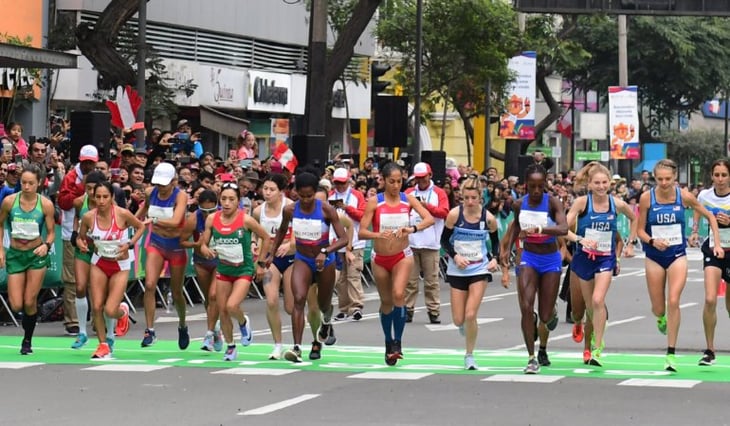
(661, 230)
(106, 225)
(392, 259)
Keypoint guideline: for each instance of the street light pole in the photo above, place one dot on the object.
(141, 68)
(417, 97)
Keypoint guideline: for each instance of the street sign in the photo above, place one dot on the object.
(626, 7)
(589, 155)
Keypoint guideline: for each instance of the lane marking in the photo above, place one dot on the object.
(375, 375)
(255, 371)
(266, 409)
(687, 305)
(664, 383)
(522, 378)
(18, 365)
(126, 368)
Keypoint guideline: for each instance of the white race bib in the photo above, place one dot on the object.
(603, 238)
(724, 238)
(393, 221)
(24, 230)
(307, 229)
(108, 249)
(531, 219)
(160, 212)
(231, 253)
(469, 250)
(671, 233)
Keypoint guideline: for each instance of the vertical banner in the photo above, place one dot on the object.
(623, 122)
(518, 120)
(279, 133)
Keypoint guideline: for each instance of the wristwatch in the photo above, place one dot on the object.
(261, 263)
(48, 245)
(323, 251)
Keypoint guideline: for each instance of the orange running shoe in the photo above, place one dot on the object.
(578, 332)
(102, 352)
(586, 356)
(122, 323)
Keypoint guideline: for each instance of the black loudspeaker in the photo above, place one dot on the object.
(391, 121)
(310, 150)
(437, 161)
(90, 128)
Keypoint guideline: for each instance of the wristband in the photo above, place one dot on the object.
(651, 242)
(415, 229)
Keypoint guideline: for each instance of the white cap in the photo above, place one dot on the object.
(164, 173)
(421, 170)
(324, 183)
(340, 175)
(616, 177)
(89, 152)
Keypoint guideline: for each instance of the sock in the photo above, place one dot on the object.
(209, 333)
(82, 311)
(670, 350)
(399, 321)
(110, 324)
(151, 329)
(386, 321)
(543, 348)
(29, 325)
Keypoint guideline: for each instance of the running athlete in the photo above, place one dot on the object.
(314, 260)
(106, 226)
(464, 239)
(595, 261)
(204, 267)
(227, 236)
(661, 229)
(82, 261)
(717, 201)
(269, 215)
(27, 259)
(389, 215)
(165, 205)
(538, 219)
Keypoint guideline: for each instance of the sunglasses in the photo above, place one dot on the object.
(207, 211)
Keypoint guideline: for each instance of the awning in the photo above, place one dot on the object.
(220, 122)
(12, 56)
(646, 165)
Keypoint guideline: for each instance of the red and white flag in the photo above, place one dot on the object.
(284, 155)
(124, 108)
(565, 124)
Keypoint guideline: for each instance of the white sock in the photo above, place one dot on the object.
(82, 310)
(111, 323)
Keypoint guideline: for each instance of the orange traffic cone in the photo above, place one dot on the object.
(721, 289)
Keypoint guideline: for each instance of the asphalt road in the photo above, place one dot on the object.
(351, 385)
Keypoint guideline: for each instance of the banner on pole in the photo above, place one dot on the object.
(518, 120)
(623, 116)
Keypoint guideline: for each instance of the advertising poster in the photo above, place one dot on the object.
(623, 122)
(518, 119)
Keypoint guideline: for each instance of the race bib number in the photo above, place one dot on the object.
(469, 250)
(671, 233)
(724, 238)
(530, 219)
(25, 230)
(231, 253)
(108, 249)
(603, 238)
(307, 229)
(393, 221)
(160, 212)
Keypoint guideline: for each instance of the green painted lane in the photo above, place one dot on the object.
(358, 359)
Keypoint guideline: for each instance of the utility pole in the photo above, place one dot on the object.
(141, 68)
(417, 97)
(623, 81)
(315, 120)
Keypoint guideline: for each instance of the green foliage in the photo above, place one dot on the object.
(677, 62)
(701, 145)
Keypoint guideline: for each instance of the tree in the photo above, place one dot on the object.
(677, 62)
(701, 146)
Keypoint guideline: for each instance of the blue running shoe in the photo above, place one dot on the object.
(246, 333)
(183, 338)
(231, 353)
(207, 342)
(80, 341)
(149, 338)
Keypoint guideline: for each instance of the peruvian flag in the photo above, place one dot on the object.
(565, 124)
(284, 155)
(124, 108)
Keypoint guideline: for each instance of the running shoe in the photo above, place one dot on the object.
(231, 353)
(389, 359)
(149, 338)
(217, 337)
(102, 352)
(469, 362)
(708, 358)
(542, 358)
(294, 354)
(553, 322)
(80, 341)
(661, 324)
(396, 352)
(276, 352)
(595, 358)
(533, 367)
(593, 343)
(461, 330)
(316, 352)
(586, 356)
(670, 363)
(25, 347)
(122, 323)
(340, 316)
(578, 332)
(208, 342)
(357, 315)
(326, 334)
(246, 333)
(535, 321)
(183, 338)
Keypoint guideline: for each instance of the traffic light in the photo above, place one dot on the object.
(377, 70)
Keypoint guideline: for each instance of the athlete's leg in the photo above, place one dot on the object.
(709, 312)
